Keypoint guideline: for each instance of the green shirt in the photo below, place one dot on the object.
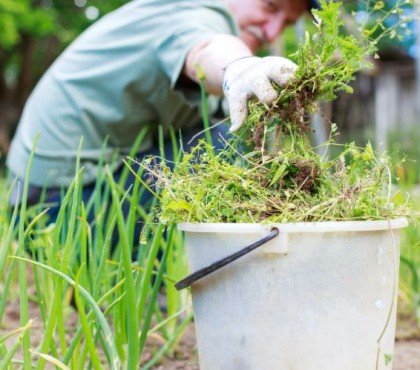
(114, 79)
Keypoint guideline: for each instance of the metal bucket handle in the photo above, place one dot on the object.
(199, 274)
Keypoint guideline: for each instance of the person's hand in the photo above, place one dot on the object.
(252, 76)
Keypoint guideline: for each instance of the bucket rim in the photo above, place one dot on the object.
(296, 227)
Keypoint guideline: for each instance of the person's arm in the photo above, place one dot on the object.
(213, 56)
(230, 69)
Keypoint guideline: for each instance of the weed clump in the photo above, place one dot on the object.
(270, 172)
(276, 188)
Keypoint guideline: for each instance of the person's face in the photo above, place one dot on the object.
(261, 21)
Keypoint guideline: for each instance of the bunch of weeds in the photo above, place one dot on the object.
(286, 187)
(270, 172)
(327, 61)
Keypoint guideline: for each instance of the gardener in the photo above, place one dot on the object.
(138, 66)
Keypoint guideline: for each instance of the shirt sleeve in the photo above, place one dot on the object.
(191, 24)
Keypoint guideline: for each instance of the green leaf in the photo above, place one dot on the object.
(281, 171)
(388, 359)
(177, 205)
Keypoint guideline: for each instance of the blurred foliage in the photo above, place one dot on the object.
(32, 34)
(373, 15)
(405, 152)
(400, 15)
(39, 30)
(41, 18)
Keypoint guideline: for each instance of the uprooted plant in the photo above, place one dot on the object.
(327, 62)
(270, 172)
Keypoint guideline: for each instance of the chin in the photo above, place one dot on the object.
(251, 42)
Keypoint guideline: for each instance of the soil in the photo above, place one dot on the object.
(407, 355)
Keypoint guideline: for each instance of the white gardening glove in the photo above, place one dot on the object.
(252, 76)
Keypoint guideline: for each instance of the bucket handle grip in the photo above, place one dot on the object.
(199, 274)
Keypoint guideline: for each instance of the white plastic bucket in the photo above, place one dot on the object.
(320, 296)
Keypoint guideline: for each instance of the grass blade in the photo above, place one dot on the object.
(23, 285)
(8, 356)
(105, 328)
(90, 315)
(156, 286)
(132, 321)
(51, 360)
(170, 343)
(94, 357)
